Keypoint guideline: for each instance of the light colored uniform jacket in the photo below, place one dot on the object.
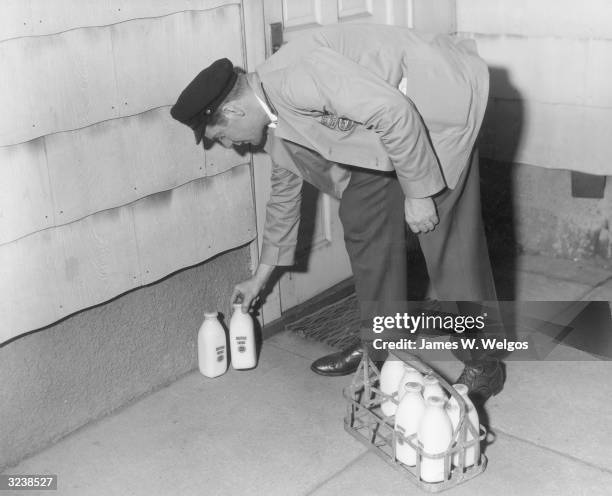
(378, 97)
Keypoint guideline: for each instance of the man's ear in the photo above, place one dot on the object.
(233, 110)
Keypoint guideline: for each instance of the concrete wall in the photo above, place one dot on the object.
(59, 378)
(530, 209)
(549, 107)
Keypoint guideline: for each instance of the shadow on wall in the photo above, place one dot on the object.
(500, 138)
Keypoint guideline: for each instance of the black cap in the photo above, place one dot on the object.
(203, 96)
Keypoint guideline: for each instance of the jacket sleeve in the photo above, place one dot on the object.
(327, 82)
(282, 218)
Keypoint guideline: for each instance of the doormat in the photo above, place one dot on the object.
(336, 324)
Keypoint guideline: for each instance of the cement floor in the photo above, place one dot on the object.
(277, 430)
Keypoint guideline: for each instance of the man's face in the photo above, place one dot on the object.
(237, 131)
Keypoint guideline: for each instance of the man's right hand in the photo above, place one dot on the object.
(246, 292)
(420, 214)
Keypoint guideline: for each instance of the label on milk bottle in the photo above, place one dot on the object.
(241, 342)
(220, 353)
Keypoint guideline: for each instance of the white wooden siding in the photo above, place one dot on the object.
(25, 196)
(55, 272)
(537, 18)
(39, 17)
(551, 72)
(101, 191)
(80, 77)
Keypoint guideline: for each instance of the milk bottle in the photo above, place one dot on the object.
(212, 346)
(407, 420)
(242, 339)
(435, 433)
(431, 387)
(454, 413)
(410, 375)
(390, 375)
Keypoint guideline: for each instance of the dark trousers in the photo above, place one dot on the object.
(375, 233)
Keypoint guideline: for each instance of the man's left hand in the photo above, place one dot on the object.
(420, 214)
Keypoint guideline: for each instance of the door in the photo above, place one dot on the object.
(321, 258)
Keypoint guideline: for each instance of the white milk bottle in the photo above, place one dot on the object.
(431, 387)
(242, 339)
(410, 375)
(435, 434)
(212, 346)
(407, 420)
(454, 414)
(390, 375)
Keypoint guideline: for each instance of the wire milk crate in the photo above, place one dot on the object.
(365, 421)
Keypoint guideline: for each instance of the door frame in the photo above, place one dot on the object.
(255, 48)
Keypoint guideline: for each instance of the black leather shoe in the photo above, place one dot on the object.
(343, 362)
(484, 378)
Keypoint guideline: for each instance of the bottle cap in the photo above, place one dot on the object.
(211, 314)
(462, 389)
(430, 379)
(413, 387)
